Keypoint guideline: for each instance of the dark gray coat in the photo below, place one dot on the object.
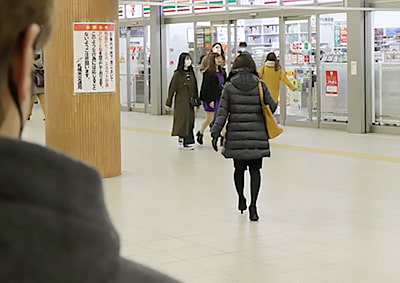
(54, 224)
(246, 136)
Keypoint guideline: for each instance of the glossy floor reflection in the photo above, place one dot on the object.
(329, 207)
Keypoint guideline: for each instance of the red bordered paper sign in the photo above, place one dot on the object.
(332, 82)
(94, 57)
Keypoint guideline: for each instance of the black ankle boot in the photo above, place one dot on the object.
(221, 141)
(199, 138)
(253, 213)
(242, 204)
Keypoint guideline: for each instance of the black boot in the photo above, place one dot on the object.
(253, 216)
(199, 138)
(221, 141)
(238, 177)
(255, 180)
(242, 204)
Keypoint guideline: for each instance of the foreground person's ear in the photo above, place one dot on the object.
(23, 61)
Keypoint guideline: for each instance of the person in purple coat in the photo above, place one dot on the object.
(213, 80)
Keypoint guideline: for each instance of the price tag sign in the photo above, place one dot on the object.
(299, 46)
(296, 47)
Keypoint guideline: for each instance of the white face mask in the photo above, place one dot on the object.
(242, 49)
(188, 63)
(217, 49)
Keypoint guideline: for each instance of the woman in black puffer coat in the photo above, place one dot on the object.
(246, 138)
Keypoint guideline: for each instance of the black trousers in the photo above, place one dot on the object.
(189, 139)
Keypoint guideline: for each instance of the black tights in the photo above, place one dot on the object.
(255, 179)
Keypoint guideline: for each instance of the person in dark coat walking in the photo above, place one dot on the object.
(183, 87)
(246, 137)
(213, 80)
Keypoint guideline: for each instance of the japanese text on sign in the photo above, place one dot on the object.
(299, 46)
(94, 57)
(332, 82)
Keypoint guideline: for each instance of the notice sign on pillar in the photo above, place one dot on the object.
(332, 82)
(94, 57)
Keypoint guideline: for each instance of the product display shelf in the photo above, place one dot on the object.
(262, 35)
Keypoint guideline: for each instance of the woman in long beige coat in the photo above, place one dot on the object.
(183, 87)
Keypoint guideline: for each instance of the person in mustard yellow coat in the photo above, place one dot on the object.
(272, 74)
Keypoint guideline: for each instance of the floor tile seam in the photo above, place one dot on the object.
(294, 147)
(338, 153)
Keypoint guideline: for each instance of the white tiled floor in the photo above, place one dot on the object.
(329, 207)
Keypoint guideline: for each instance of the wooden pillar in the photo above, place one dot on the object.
(84, 125)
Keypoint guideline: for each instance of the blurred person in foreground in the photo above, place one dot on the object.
(53, 220)
(246, 137)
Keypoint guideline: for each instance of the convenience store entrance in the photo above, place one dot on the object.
(135, 68)
(318, 70)
(299, 61)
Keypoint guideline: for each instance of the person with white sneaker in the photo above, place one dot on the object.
(183, 90)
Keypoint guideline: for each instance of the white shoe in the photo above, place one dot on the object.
(188, 146)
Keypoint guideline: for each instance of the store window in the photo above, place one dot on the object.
(386, 68)
(180, 38)
(261, 36)
(333, 69)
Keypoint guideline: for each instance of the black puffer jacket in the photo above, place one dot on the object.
(246, 136)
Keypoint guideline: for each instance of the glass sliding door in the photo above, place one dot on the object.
(386, 69)
(300, 67)
(135, 68)
(333, 68)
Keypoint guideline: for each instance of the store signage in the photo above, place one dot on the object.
(146, 10)
(208, 5)
(296, 46)
(299, 46)
(336, 34)
(343, 34)
(258, 2)
(175, 7)
(94, 57)
(295, 2)
(121, 11)
(332, 83)
(134, 11)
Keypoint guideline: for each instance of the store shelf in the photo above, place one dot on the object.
(262, 34)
